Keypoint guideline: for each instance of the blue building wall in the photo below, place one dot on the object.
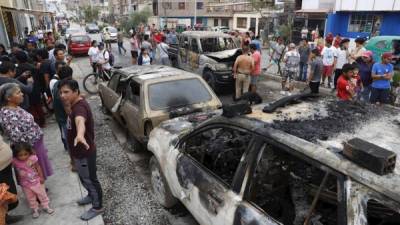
(338, 23)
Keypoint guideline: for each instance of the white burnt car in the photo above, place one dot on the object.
(248, 170)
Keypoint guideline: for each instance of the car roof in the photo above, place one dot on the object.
(201, 34)
(153, 72)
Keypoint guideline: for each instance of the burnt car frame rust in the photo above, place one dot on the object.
(127, 97)
(225, 197)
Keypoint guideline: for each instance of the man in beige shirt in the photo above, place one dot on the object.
(242, 68)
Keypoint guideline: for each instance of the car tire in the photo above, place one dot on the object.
(159, 184)
(132, 144)
(208, 76)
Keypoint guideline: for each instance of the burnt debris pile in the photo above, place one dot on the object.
(342, 117)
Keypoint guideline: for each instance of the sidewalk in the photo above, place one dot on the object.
(64, 188)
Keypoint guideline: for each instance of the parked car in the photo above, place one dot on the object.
(381, 44)
(72, 30)
(207, 53)
(113, 33)
(222, 29)
(140, 97)
(79, 43)
(92, 28)
(249, 170)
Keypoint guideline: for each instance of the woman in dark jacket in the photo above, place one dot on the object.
(144, 58)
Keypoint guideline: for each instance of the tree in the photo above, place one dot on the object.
(90, 13)
(136, 18)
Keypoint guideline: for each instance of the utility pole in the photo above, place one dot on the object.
(195, 14)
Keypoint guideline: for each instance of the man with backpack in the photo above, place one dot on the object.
(106, 59)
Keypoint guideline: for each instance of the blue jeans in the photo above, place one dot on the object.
(303, 71)
(121, 46)
(63, 132)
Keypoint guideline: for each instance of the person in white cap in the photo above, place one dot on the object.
(292, 63)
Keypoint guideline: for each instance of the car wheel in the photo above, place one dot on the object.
(160, 186)
(132, 144)
(208, 76)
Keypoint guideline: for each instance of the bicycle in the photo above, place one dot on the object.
(92, 80)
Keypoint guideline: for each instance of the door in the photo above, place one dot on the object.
(209, 172)
(111, 92)
(130, 109)
(194, 55)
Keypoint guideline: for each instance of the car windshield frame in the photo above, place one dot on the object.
(112, 29)
(158, 98)
(217, 47)
(73, 38)
(73, 30)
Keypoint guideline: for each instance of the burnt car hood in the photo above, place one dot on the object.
(222, 54)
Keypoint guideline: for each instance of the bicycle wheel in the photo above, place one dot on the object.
(91, 83)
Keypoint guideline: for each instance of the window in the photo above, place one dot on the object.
(181, 5)
(225, 22)
(216, 44)
(381, 44)
(177, 93)
(361, 23)
(219, 150)
(114, 81)
(284, 186)
(166, 5)
(194, 45)
(133, 93)
(215, 22)
(200, 5)
(241, 22)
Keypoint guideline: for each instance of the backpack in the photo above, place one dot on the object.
(110, 57)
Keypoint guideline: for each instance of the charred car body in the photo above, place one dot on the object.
(140, 98)
(261, 169)
(209, 54)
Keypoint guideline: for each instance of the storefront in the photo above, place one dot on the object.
(14, 23)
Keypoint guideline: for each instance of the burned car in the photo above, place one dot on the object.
(140, 97)
(285, 167)
(207, 53)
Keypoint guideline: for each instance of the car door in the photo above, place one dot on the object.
(130, 109)
(109, 94)
(210, 172)
(283, 184)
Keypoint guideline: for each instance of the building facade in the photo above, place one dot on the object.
(364, 18)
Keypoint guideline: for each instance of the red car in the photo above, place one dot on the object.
(78, 44)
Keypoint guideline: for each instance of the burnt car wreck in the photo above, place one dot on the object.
(278, 168)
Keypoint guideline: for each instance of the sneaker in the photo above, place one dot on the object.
(35, 214)
(85, 201)
(49, 210)
(91, 213)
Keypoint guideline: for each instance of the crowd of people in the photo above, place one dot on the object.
(352, 74)
(34, 83)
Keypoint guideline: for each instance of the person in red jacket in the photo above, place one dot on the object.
(345, 90)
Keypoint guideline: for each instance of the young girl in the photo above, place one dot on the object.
(356, 81)
(31, 178)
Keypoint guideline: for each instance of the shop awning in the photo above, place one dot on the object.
(27, 11)
(313, 11)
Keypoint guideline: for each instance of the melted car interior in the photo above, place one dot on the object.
(283, 183)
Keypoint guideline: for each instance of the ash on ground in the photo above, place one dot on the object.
(126, 186)
(342, 116)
